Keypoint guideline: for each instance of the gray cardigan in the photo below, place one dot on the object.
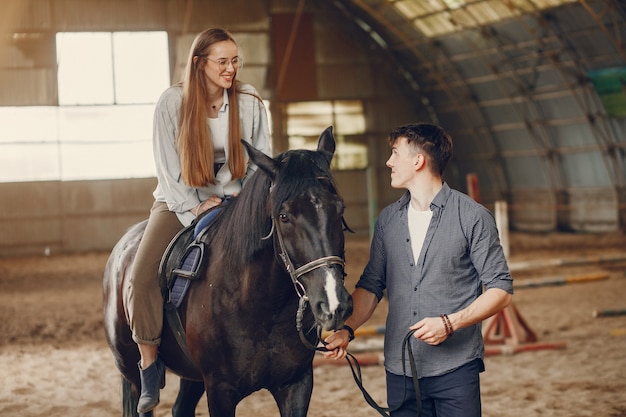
(170, 188)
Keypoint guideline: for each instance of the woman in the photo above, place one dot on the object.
(200, 161)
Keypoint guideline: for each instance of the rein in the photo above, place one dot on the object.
(355, 368)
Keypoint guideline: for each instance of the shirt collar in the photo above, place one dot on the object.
(438, 202)
(442, 196)
(225, 101)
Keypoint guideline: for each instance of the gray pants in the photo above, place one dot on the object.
(144, 299)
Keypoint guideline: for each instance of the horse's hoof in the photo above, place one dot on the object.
(152, 380)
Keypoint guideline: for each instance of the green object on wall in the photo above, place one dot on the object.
(610, 83)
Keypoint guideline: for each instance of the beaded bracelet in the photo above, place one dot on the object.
(447, 324)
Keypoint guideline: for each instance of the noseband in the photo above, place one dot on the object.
(296, 273)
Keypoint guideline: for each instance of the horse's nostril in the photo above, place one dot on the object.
(322, 307)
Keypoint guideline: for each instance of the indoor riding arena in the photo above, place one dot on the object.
(532, 93)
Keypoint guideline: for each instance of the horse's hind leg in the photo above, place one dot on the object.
(293, 400)
(189, 395)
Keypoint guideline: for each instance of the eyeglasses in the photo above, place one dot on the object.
(223, 62)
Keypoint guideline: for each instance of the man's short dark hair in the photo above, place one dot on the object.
(431, 139)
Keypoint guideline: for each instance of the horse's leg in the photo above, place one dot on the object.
(189, 395)
(129, 399)
(293, 399)
(222, 400)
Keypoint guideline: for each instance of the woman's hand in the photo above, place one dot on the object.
(210, 202)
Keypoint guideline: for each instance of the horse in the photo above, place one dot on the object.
(273, 281)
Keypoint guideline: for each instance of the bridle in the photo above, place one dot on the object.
(296, 273)
(355, 368)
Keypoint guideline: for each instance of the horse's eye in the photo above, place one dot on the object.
(283, 217)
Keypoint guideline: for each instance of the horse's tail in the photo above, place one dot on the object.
(129, 399)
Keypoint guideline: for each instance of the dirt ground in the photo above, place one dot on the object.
(54, 360)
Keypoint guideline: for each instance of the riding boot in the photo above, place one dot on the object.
(152, 380)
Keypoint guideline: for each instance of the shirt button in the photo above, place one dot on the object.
(411, 264)
(415, 313)
(415, 289)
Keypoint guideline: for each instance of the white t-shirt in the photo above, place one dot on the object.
(218, 138)
(418, 226)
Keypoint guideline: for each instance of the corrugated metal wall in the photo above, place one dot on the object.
(91, 215)
(522, 115)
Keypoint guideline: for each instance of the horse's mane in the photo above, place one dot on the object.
(245, 221)
(300, 170)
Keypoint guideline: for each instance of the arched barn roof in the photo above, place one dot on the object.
(532, 91)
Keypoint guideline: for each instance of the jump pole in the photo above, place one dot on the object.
(362, 331)
(578, 261)
(618, 332)
(506, 332)
(526, 347)
(364, 359)
(560, 280)
(609, 313)
(367, 353)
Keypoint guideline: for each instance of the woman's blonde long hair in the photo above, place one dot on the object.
(195, 146)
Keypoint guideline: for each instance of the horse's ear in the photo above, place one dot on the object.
(326, 143)
(261, 160)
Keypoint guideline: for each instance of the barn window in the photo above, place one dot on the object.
(306, 120)
(108, 83)
(112, 67)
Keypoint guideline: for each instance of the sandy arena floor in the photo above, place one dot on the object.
(55, 361)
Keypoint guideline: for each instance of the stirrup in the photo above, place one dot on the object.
(192, 260)
(188, 271)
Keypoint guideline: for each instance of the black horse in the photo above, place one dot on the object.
(274, 279)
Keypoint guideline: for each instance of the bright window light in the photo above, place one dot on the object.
(306, 120)
(85, 68)
(108, 84)
(439, 17)
(112, 68)
(141, 63)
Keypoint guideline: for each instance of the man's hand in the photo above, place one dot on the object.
(337, 344)
(430, 330)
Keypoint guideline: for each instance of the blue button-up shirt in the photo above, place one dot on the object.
(461, 255)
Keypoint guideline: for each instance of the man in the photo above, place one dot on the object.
(437, 254)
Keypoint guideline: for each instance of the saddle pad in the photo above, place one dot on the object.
(191, 262)
(178, 290)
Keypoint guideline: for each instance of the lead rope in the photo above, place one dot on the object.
(355, 368)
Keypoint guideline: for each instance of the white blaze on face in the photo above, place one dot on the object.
(331, 294)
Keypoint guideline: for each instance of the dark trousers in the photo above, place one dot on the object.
(455, 394)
